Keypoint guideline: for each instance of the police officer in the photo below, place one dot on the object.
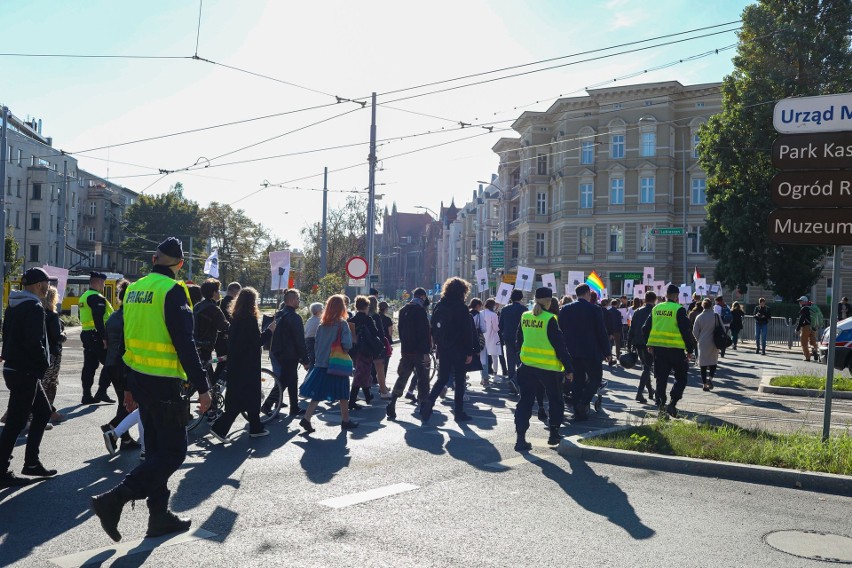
(94, 312)
(160, 356)
(544, 360)
(669, 338)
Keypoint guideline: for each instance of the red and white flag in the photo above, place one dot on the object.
(696, 275)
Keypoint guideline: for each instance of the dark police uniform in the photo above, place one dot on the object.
(94, 312)
(161, 356)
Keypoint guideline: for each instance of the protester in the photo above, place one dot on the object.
(320, 384)
(210, 320)
(222, 339)
(725, 315)
(55, 338)
(387, 328)
(490, 325)
(695, 312)
(287, 351)
(762, 317)
(311, 327)
(844, 310)
(807, 328)
(245, 342)
(613, 327)
(26, 357)
(737, 315)
(510, 319)
(94, 312)
(415, 340)
(544, 361)
(369, 346)
(708, 353)
(636, 340)
(381, 332)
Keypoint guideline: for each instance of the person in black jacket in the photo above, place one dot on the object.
(636, 339)
(613, 325)
(288, 349)
(453, 332)
(26, 357)
(510, 320)
(762, 317)
(415, 340)
(222, 340)
(210, 320)
(369, 346)
(94, 305)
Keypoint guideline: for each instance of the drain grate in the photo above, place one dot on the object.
(813, 545)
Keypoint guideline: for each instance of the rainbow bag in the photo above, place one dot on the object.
(339, 362)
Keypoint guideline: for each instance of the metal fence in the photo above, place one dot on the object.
(781, 331)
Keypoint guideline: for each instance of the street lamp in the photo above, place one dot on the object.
(427, 209)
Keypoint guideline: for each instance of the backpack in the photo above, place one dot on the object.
(726, 315)
(369, 344)
(817, 319)
(440, 325)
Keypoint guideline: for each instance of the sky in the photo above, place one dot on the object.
(312, 53)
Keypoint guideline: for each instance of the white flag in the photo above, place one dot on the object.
(211, 265)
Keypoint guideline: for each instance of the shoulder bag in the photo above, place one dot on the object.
(720, 335)
(339, 362)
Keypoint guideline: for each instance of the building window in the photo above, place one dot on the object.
(587, 152)
(93, 208)
(515, 249)
(36, 191)
(616, 191)
(495, 235)
(542, 164)
(33, 253)
(9, 154)
(73, 198)
(35, 222)
(587, 195)
(696, 246)
(649, 143)
(20, 157)
(587, 240)
(617, 145)
(33, 161)
(18, 188)
(539, 244)
(514, 212)
(646, 239)
(695, 141)
(646, 190)
(90, 233)
(699, 187)
(8, 185)
(17, 219)
(616, 238)
(541, 203)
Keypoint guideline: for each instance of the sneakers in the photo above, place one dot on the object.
(110, 439)
(9, 479)
(385, 395)
(260, 434)
(554, 438)
(37, 470)
(129, 444)
(222, 439)
(166, 523)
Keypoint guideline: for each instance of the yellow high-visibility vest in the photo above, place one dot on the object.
(664, 329)
(149, 347)
(537, 350)
(86, 318)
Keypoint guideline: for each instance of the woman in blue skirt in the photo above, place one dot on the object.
(319, 385)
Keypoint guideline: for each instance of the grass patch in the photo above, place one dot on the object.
(805, 452)
(811, 382)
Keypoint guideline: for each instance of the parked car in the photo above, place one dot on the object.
(843, 345)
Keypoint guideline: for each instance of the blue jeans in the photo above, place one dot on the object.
(760, 330)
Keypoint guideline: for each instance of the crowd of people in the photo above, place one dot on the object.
(167, 336)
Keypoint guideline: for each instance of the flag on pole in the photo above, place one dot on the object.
(595, 283)
(211, 265)
(696, 275)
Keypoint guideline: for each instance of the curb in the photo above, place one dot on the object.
(763, 475)
(791, 391)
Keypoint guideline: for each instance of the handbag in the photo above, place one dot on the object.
(339, 362)
(388, 348)
(720, 336)
(479, 335)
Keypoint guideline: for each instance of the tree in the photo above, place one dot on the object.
(152, 218)
(14, 263)
(787, 48)
(347, 227)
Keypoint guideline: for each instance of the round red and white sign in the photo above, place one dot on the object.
(356, 267)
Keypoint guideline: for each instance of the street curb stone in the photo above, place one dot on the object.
(779, 477)
(791, 391)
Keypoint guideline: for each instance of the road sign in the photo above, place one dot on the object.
(810, 226)
(357, 267)
(667, 231)
(357, 282)
(374, 278)
(497, 258)
(826, 113)
(812, 189)
(812, 151)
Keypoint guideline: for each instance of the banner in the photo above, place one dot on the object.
(61, 275)
(639, 291)
(549, 281)
(648, 271)
(482, 280)
(526, 278)
(211, 265)
(504, 293)
(279, 263)
(660, 288)
(701, 286)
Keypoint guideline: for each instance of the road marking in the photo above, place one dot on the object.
(509, 463)
(371, 495)
(126, 548)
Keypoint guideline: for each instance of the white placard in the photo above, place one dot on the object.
(701, 286)
(279, 263)
(61, 275)
(482, 280)
(504, 293)
(660, 288)
(604, 294)
(685, 293)
(628, 288)
(568, 291)
(648, 276)
(549, 281)
(639, 291)
(714, 290)
(525, 279)
(575, 278)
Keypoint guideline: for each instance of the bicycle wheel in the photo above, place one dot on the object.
(271, 396)
(190, 399)
(433, 367)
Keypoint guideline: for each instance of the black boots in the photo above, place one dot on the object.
(107, 507)
(390, 410)
(521, 445)
(165, 522)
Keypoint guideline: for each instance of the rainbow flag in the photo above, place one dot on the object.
(595, 283)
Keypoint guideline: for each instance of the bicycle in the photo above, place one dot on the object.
(271, 393)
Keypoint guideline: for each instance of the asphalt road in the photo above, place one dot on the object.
(442, 495)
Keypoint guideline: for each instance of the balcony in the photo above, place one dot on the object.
(513, 225)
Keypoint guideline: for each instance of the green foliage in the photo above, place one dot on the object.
(811, 382)
(800, 450)
(790, 48)
(69, 320)
(329, 285)
(14, 263)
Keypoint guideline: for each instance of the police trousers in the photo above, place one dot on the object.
(529, 378)
(666, 360)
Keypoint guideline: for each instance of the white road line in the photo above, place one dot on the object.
(371, 495)
(109, 553)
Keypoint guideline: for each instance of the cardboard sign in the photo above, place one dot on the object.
(525, 279)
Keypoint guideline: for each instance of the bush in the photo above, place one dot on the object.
(69, 320)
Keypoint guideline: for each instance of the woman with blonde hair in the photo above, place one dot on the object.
(321, 385)
(379, 362)
(55, 339)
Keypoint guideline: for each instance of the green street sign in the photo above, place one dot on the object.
(667, 231)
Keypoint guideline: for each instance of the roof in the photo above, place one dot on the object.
(412, 224)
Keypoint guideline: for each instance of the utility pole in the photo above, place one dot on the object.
(324, 243)
(685, 208)
(63, 193)
(189, 269)
(371, 202)
(3, 189)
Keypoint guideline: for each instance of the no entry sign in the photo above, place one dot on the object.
(356, 267)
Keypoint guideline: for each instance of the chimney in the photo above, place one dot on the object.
(39, 127)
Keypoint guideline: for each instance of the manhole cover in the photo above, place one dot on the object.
(812, 544)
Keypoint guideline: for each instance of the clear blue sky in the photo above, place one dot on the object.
(341, 48)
